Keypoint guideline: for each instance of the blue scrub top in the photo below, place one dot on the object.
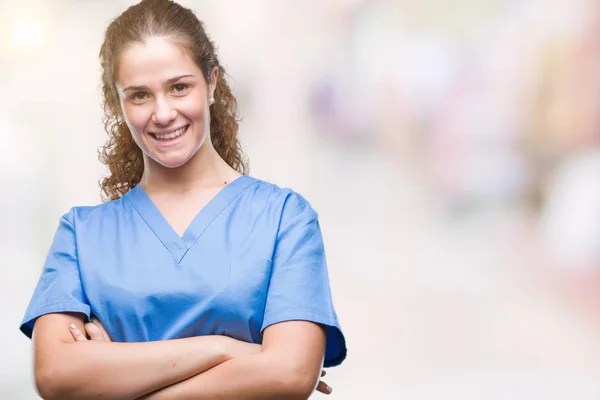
(251, 258)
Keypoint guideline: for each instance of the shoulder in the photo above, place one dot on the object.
(286, 200)
(81, 215)
(283, 196)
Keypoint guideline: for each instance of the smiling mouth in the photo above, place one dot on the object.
(165, 137)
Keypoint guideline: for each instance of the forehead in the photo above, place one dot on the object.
(153, 62)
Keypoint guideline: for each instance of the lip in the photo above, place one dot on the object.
(172, 142)
(168, 130)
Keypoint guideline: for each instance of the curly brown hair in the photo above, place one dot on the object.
(147, 19)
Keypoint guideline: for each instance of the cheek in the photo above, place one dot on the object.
(194, 108)
(136, 119)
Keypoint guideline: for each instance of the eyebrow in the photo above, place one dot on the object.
(167, 82)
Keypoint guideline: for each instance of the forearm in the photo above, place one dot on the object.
(82, 370)
(256, 377)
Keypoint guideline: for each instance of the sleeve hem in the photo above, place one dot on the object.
(29, 320)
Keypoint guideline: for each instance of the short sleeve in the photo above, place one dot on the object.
(59, 288)
(299, 286)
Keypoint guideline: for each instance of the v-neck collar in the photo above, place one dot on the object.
(177, 245)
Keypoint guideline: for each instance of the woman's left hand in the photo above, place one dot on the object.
(95, 330)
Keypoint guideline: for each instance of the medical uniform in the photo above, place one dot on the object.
(252, 257)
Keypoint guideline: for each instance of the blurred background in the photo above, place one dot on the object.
(451, 148)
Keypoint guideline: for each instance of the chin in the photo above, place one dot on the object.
(174, 164)
(171, 162)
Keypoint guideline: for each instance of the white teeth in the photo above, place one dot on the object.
(172, 135)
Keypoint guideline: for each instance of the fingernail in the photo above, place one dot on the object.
(328, 388)
(72, 326)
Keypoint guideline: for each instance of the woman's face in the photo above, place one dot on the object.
(165, 100)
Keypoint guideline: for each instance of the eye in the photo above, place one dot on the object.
(139, 96)
(180, 88)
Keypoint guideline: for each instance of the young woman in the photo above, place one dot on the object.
(194, 280)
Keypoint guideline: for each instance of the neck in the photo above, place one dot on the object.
(206, 169)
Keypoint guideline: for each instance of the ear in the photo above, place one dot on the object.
(214, 76)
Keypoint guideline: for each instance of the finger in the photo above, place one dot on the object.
(77, 335)
(324, 388)
(97, 322)
(323, 373)
(94, 332)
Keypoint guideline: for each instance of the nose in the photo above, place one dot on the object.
(164, 113)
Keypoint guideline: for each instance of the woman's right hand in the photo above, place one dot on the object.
(95, 330)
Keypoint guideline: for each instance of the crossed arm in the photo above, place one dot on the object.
(68, 366)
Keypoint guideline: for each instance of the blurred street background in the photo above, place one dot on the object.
(451, 148)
